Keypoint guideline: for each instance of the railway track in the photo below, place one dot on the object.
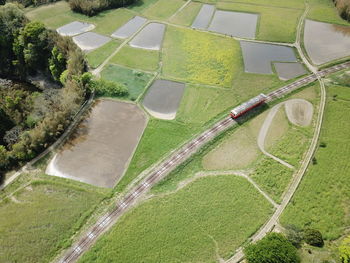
(160, 171)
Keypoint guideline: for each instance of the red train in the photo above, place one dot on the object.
(246, 106)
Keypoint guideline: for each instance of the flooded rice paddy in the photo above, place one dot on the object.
(258, 57)
(326, 42)
(204, 17)
(150, 37)
(130, 28)
(287, 71)
(235, 24)
(102, 145)
(163, 99)
(90, 41)
(74, 28)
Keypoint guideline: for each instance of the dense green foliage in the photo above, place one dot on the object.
(32, 2)
(344, 250)
(273, 248)
(313, 237)
(35, 115)
(92, 7)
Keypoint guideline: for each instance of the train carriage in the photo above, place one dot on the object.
(248, 105)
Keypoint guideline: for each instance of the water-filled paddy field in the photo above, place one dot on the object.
(75, 28)
(129, 28)
(163, 99)
(100, 149)
(326, 42)
(150, 37)
(90, 41)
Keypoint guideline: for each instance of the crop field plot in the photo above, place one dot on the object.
(134, 80)
(39, 219)
(141, 5)
(220, 211)
(234, 23)
(322, 200)
(96, 57)
(200, 57)
(326, 42)
(90, 41)
(99, 152)
(163, 9)
(163, 99)
(295, 4)
(137, 58)
(75, 28)
(187, 15)
(275, 23)
(130, 28)
(204, 17)
(287, 71)
(159, 138)
(59, 14)
(150, 37)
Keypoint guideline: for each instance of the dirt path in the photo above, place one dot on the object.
(263, 133)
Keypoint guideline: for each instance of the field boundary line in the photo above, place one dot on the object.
(180, 9)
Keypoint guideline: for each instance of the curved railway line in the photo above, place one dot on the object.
(161, 170)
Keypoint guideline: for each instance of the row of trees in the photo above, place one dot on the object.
(93, 7)
(38, 116)
(26, 3)
(343, 7)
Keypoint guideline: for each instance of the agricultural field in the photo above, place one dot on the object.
(156, 223)
(322, 199)
(215, 201)
(53, 209)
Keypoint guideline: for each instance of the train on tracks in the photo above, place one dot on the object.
(248, 105)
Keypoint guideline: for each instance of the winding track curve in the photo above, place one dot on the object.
(179, 156)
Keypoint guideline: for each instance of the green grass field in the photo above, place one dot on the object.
(159, 138)
(275, 24)
(213, 215)
(323, 198)
(39, 220)
(137, 58)
(58, 14)
(187, 15)
(134, 80)
(141, 5)
(199, 57)
(163, 9)
(274, 3)
(96, 57)
(324, 10)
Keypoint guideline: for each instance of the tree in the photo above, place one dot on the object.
(273, 248)
(313, 237)
(344, 250)
(4, 161)
(2, 2)
(57, 63)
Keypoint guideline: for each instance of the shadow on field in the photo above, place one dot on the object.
(252, 113)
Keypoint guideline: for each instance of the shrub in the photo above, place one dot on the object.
(93, 7)
(313, 237)
(294, 235)
(109, 88)
(344, 250)
(273, 248)
(343, 7)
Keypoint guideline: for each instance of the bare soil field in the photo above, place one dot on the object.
(299, 112)
(100, 149)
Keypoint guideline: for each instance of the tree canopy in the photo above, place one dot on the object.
(273, 248)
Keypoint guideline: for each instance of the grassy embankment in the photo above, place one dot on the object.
(322, 199)
(324, 11)
(39, 216)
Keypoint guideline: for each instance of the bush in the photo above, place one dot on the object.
(109, 88)
(93, 7)
(273, 248)
(294, 235)
(343, 7)
(313, 237)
